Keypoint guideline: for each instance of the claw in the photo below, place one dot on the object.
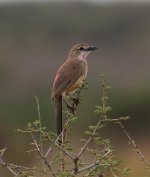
(71, 108)
(72, 103)
(76, 101)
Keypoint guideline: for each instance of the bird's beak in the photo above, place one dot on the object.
(90, 48)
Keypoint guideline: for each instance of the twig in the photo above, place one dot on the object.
(66, 152)
(103, 99)
(85, 145)
(39, 117)
(117, 120)
(87, 175)
(40, 126)
(88, 141)
(56, 143)
(96, 163)
(5, 164)
(9, 168)
(57, 139)
(106, 154)
(113, 173)
(44, 159)
(133, 144)
(21, 167)
(90, 166)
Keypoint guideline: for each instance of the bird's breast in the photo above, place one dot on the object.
(77, 84)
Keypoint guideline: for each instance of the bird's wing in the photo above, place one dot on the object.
(67, 75)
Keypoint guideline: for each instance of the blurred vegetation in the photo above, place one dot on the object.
(35, 39)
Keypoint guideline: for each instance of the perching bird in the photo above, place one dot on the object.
(70, 76)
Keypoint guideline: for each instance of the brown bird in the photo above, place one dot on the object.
(70, 76)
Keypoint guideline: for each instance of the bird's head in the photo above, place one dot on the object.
(81, 51)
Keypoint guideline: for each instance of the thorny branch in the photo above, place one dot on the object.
(57, 144)
(8, 167)
(88, 141)
(40, 126)
(83, 148)
(133, 144)
(43, 158)
(96, 163)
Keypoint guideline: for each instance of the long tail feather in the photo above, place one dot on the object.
(59, 114)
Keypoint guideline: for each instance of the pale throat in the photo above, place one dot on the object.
(83, 55)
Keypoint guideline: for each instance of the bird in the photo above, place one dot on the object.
(69, 77)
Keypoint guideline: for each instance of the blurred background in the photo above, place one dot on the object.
(35, 37)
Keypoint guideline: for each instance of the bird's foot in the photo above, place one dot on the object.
(76, 101)
(71, 107)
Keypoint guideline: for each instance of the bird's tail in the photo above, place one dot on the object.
(59, 114)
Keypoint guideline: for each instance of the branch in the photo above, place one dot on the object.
(88, 141)
(9, 168)
(117, 120)
(43, 158)
(66, 152)
(133, 144)
(57, 144)
(96, 163)
(90, 166)
(40, 126)
(85, 145)
(22, 167)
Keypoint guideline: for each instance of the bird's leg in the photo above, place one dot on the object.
(69, 106)
(66, 102)
(76, 99)
(72, 100)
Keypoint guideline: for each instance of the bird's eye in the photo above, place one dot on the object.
(81, 48)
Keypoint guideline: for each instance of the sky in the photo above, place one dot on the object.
(97, 1)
